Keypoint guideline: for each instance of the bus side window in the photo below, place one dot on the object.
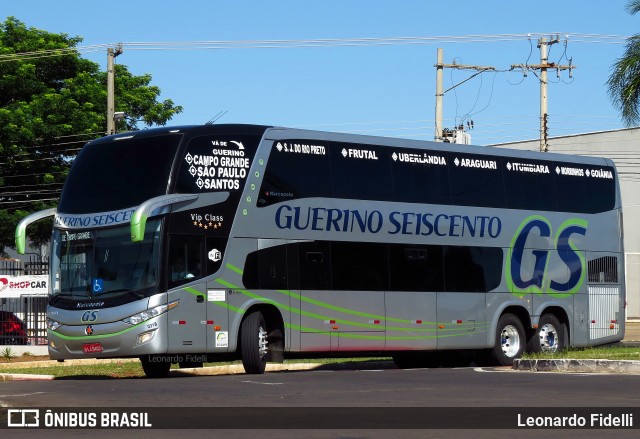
(185, 258)
(416, 267)
(272, 267)
(315, 265)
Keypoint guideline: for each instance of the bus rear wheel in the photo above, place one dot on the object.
(510, 340)
(254, 343)
(155, 366)
(549, 336)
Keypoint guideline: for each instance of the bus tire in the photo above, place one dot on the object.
(254, 343)
(155, 366)
(549, 336)
(510, 340)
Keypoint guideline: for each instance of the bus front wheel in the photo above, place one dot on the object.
(254, 343)
(510, 340)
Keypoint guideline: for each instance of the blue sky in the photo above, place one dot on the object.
(383, 90)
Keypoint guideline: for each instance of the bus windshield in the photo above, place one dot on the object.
(143, 166)
(104, 263)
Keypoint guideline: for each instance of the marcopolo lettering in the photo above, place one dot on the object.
(373, 221)
(527, 270)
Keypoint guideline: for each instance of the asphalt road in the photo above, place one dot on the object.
(206, 399)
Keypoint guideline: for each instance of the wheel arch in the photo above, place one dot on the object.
(275, 329)
(561, 314)
(517, 310)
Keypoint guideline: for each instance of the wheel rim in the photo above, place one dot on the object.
(510, 341)
(262, 342)
(548, 338)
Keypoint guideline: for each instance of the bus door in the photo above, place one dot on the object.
(188, 321)
(415, 278)
(312, 318)
(342, 295)
(469, 273)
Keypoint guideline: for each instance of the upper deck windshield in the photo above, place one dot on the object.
(115, 174)
(104, 263)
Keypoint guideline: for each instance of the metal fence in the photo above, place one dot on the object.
(23, 318)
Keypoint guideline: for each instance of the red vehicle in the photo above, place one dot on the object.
(13, 331)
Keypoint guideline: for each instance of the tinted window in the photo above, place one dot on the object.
(296, 169)
(250, 273)
(361, 172)
(420, 176)
(468, 269)
(315, 265)
(415, 267)
(274, 268)
(359, 266)
(585, 188)
(112, 175)
(476, 180)
(530, 184)
(185, 258)
(216, 163)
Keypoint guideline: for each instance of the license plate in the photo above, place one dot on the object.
(91, 348)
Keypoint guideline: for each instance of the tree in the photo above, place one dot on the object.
(52, 101)
(624, 82)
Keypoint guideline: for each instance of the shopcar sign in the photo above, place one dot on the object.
(16, 286)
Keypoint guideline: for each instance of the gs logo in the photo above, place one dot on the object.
(89, 316)
(527, 267)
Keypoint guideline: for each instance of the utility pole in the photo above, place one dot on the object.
(440, 66)
(111, 108)
(439, 95)
(543, 45)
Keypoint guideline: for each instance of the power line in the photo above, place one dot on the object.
(311, 43)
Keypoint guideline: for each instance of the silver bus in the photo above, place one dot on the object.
(191, 244)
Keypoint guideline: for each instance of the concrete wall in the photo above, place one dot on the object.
(623, 147)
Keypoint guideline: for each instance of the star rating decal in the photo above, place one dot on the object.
(209, 225)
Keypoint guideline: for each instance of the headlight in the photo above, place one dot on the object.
(52, 325)
(150, 313)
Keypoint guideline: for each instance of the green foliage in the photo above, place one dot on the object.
(7, 354)
(49, 107)
(615, 352)
(624, 82)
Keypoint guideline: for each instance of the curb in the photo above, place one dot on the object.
(24, 377)
(578, 366)
(232, 369)
(238, 369)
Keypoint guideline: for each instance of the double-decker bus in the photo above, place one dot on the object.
(195, 243)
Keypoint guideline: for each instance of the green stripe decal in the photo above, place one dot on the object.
(463, 328)
(333, 307)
